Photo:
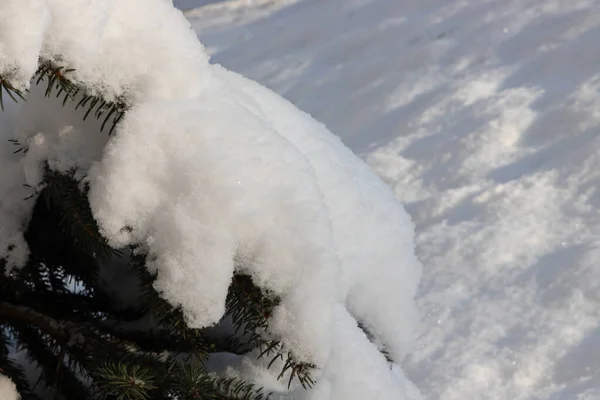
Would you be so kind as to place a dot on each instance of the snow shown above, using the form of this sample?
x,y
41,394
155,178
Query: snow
x,y
209,173
22,28
483,117
8,390
110,51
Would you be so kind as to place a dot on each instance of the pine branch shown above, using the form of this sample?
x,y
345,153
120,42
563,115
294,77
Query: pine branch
x,y
11,91
250,310
74,348
63,192
371,338
124,382
57,80
49,355
29,316
192,381
56,77
171,319
11,369
237,389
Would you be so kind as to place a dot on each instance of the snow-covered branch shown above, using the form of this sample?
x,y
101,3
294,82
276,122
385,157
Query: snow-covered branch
x,y
209,174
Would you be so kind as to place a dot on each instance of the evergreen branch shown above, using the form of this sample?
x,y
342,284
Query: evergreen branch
x,y
237,389
63,191
29,316
48,354
18,145
371,338
11,91
78,330
171,319
11,369
53,250
248,306
71,333
73,307
57,79
250,310
78,347
153,341
124,381
192,381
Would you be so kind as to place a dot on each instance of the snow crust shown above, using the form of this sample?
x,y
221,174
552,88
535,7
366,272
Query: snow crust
x,y
209,173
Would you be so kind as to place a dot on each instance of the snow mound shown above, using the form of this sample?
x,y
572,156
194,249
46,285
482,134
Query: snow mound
x,y
483,115
209,173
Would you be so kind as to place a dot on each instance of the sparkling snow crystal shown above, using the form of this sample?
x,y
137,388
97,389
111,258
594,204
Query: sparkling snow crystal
x,y
210,173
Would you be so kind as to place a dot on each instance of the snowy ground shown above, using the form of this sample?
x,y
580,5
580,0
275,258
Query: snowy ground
x,y
484,115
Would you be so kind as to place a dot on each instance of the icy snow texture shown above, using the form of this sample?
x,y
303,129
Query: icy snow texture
x,y
209,173
8,390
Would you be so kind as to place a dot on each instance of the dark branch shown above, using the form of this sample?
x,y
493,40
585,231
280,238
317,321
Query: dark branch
x,y
26,315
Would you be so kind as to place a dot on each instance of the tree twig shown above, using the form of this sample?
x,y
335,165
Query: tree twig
x,y
30,316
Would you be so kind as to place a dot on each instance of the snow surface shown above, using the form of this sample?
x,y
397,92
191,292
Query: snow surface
x,y
209,173
483,116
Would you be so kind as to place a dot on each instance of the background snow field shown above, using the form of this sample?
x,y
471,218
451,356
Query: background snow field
x,y
484,116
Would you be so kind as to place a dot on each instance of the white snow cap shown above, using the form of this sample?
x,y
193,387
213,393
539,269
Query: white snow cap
x,y
210,173
23,25
8,390
114,49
